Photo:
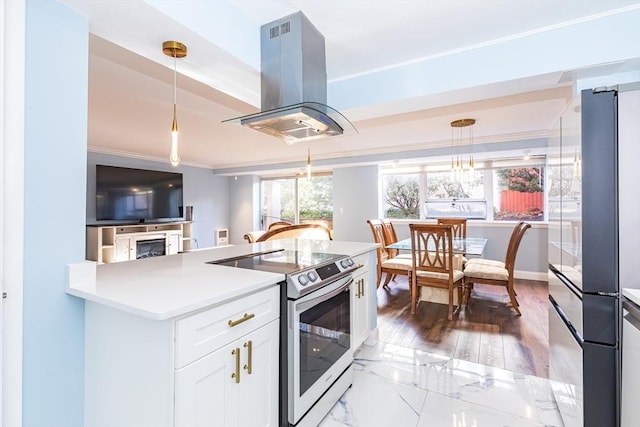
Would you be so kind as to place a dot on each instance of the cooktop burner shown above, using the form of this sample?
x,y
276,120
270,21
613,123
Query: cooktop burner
x,y
305,270
278,260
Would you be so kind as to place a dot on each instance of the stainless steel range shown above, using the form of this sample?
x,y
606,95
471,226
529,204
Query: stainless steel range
x,y
315,343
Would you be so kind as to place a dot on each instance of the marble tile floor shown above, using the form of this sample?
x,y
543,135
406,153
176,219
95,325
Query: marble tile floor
x,y
404,387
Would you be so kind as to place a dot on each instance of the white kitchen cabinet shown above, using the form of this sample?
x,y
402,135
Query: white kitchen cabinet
x,y
630,411
236,385
363,293
125,247
174,242
178,372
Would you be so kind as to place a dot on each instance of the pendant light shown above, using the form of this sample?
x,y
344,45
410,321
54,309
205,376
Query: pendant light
x,y
308,163
456,161
175,50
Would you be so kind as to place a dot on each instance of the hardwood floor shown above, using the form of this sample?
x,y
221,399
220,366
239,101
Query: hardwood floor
x,y
489,332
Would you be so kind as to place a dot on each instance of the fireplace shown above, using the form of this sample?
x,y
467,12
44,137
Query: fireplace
x,y
150,248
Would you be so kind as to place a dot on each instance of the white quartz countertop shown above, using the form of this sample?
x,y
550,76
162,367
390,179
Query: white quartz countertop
x,y
632,295
169,286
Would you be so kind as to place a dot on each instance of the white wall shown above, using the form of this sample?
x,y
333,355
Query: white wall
x,y
244,207
56,81
206,192
355,200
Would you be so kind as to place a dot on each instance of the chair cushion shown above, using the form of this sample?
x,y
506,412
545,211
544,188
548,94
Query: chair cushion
x,y
403,256
482,261
398,264
457,275
481,271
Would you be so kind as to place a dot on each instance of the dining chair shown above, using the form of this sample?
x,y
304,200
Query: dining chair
x,y
433,263
389,266
458,229
494,272
458,226
495,262
390,237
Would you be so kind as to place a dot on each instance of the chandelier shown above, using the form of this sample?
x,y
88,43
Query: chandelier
x,y
457,163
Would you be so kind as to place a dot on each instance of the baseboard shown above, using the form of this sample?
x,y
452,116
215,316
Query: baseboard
x,y
531,275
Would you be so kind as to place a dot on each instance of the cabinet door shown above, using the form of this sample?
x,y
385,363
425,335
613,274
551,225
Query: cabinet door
x,y
173,243
258,398
360,309
124,248
206,391
210,393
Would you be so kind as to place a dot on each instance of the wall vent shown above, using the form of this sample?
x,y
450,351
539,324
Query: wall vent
x,y
274,32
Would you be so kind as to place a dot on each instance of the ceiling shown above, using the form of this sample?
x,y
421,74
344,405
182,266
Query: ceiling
x,y
131,81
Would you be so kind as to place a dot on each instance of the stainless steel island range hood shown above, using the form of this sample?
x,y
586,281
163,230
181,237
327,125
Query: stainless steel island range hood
x,y
294,84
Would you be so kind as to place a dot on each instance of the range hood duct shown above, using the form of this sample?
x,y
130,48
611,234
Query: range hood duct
x,y
294,84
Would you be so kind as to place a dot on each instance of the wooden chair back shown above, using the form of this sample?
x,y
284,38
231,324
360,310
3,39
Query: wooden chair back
x,y
297,231
377,230
433,262
390,237
432,248
514,244
458,226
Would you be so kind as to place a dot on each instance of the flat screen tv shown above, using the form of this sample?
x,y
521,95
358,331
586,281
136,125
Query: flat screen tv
x,y
137,195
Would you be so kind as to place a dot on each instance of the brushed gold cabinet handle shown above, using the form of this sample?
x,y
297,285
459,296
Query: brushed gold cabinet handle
x,y
361,287
244,318
249,346
236,374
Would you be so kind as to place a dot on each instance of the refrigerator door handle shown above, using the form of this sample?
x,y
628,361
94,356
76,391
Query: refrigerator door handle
x,y
573,288
566,321
608,294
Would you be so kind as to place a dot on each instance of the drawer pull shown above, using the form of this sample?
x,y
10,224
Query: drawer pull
x,y
246,317
248,345
236,374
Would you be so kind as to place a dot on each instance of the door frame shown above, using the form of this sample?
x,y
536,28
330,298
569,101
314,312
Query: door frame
x,y
12,119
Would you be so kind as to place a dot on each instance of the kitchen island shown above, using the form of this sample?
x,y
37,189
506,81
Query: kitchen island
x,y
169,337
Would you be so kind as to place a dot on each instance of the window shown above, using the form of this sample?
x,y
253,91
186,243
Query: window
x,y
297,200
518,194
456,195
401,197
507,189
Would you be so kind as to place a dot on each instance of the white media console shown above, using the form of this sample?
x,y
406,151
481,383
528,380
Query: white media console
x,y
114,243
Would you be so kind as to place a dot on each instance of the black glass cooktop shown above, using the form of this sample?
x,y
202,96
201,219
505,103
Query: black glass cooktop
x,y
278,261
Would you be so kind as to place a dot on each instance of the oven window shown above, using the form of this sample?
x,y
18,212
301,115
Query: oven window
x,y
324,337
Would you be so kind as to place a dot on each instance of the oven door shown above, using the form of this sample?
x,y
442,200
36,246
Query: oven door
x,y
319,343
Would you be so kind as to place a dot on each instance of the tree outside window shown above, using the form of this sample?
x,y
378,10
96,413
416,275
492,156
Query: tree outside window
x,y
298,200
401,196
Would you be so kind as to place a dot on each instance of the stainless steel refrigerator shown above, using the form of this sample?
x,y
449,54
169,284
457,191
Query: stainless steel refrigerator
x,y
594,178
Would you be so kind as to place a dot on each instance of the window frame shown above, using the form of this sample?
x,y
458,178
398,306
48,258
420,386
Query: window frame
x,y
296,192
489,167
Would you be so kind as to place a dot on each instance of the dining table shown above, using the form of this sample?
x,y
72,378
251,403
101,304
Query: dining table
x,y
468,245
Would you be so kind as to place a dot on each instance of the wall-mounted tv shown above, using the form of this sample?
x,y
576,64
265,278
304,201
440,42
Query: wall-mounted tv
x,y
137,195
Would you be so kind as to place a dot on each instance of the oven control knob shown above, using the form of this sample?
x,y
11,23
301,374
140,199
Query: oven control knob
x,y
344,263
350,261
312,276
302,279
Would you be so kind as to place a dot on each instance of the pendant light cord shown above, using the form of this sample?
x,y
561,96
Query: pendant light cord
x,y
175,83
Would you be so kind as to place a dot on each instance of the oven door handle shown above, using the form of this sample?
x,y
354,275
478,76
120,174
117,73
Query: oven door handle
x,y
315,301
